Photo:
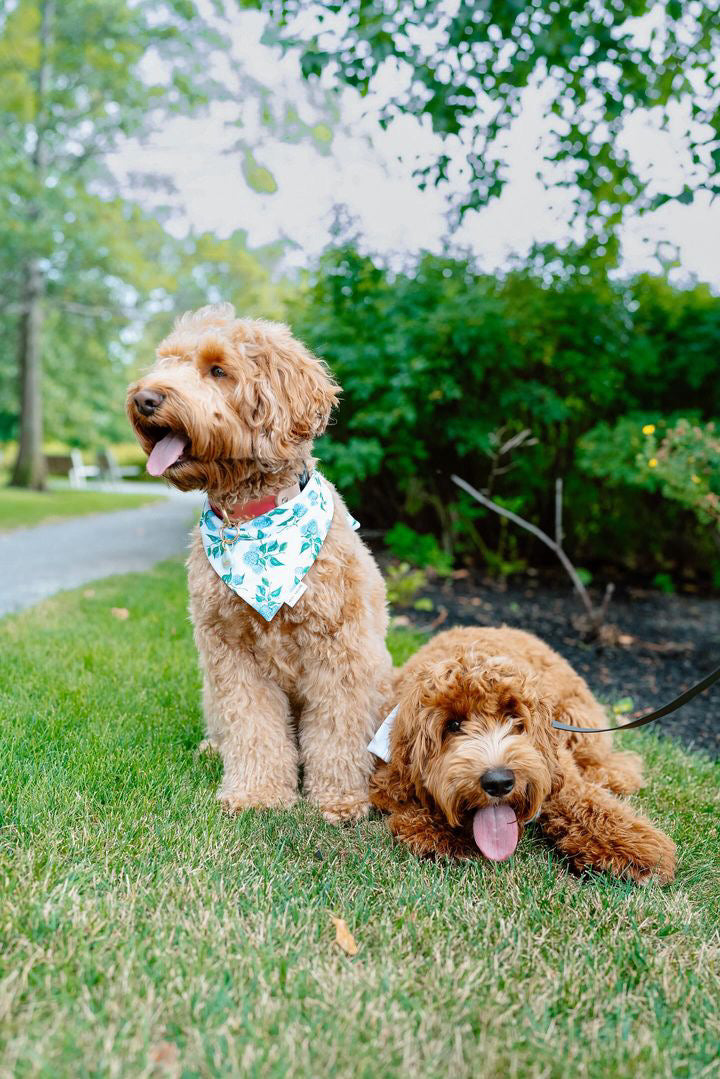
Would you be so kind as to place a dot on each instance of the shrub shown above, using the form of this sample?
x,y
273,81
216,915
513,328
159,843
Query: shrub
x,y
670,464
684,459
418,549
403,584
437,358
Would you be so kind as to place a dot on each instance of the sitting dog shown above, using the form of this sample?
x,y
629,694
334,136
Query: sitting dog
x,y
288,606
471,757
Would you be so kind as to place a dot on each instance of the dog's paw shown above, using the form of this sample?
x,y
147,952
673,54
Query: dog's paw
x,y
207,747
641,853
239,801
344,812
655,861
625,773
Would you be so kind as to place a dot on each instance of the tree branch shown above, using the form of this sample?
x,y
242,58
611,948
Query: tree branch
x,y
542,536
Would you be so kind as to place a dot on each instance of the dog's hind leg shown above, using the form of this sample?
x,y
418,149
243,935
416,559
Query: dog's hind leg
x,y
598,831
621,773
249,724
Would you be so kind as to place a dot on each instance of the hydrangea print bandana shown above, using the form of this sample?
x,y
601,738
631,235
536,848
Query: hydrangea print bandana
x,y
264,560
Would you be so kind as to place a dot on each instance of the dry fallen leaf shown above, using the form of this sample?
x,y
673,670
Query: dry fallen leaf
x,y
343,936
164,1053
121,613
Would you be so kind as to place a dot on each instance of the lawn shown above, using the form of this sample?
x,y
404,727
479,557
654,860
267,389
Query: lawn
x,y
23,509
144,932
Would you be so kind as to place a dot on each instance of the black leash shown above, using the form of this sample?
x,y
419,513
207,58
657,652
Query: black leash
x,y
673,706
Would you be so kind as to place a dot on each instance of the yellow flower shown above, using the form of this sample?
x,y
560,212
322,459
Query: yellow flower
x,y
652,463
696,479
649,429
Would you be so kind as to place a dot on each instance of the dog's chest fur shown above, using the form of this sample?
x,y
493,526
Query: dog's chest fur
x,y
344,588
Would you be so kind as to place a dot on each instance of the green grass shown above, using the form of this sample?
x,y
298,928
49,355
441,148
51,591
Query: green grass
x,y
139,924
23,509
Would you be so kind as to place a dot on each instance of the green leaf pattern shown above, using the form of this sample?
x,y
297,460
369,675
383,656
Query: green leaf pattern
x,y
265,559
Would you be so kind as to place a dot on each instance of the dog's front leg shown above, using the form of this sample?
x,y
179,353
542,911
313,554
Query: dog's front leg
x,y
343,704
598,831
248,722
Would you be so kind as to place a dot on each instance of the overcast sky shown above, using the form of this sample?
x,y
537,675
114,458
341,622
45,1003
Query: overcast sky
x,y
369,170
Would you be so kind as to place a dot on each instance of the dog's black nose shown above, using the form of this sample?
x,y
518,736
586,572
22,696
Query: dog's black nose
x,y
148,400
497,781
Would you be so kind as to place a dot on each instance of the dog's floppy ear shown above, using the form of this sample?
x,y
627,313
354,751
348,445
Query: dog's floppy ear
x,y
394,783
302,389
412,741
318,393
549,740
398,771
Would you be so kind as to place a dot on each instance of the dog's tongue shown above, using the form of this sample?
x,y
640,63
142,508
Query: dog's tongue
x,y
496,832
165,453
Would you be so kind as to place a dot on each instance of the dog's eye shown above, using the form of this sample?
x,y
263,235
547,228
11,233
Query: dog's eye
x,y
453,725
217,372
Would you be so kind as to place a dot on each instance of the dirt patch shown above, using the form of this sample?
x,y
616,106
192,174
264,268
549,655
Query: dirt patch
x,y
668,643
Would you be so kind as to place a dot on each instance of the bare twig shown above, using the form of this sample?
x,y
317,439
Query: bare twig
x,y
595,616
558,511
602,613
521,438
502,448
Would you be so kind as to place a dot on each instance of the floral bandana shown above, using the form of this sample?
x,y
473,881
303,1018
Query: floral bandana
x,y
264,560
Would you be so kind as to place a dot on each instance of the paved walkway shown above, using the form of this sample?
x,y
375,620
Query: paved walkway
x,y
37,562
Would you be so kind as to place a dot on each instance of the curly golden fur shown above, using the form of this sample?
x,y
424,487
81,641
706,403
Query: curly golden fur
x,y
306,688
473,700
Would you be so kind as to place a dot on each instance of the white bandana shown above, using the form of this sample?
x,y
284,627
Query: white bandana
x,y
380,744
264,560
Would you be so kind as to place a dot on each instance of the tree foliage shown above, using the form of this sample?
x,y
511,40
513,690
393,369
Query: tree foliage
x,y
436,360
464,66
76,78
134,281
82,268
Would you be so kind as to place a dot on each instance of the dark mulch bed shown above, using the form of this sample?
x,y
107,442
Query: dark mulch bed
x,y
669,643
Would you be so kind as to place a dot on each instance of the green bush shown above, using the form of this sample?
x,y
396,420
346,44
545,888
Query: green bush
x,y
403,584
436,359
671,467
685,460
418,549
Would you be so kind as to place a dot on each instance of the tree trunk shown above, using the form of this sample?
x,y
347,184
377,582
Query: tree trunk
x,y
29,470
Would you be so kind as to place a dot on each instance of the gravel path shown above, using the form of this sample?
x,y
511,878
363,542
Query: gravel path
x,y
37,562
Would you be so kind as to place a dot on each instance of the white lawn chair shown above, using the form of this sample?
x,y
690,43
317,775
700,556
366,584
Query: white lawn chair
x,y
79,472
111,470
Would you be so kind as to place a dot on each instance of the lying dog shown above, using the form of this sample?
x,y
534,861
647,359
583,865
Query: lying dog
x,y
288,606
472,757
